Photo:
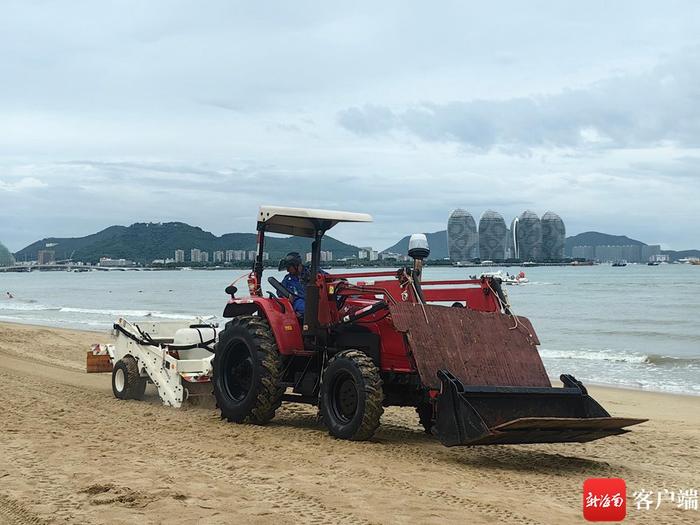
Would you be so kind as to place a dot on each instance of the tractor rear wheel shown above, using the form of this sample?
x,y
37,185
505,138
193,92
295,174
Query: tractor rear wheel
x,y
351,396
247,370
127,383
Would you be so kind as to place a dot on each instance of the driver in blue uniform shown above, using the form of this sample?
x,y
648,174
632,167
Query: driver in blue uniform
x,y
295,281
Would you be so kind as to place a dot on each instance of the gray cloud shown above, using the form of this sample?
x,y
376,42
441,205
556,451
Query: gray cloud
x,y
112,113
627,111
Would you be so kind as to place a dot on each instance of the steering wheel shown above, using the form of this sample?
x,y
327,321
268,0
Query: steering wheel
x,y
282,289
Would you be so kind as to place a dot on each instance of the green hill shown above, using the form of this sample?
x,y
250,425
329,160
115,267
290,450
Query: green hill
x,y
6,258
144,242
598,239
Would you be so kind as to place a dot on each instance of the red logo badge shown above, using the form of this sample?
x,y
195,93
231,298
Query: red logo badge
x,y
604,499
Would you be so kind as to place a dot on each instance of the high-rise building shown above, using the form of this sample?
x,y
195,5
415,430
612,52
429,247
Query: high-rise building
x,y
239,255
326,256
204,257
179,256
553,237
492,236
651,252
583,252
462,237
218,256
195,255
512,242
230,257
45,257
528,236
251,255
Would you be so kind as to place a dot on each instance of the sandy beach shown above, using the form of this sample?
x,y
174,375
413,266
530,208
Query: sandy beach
x,y
73,453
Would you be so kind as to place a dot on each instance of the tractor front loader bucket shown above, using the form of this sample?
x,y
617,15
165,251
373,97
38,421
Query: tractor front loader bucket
x,y
509,415
493,386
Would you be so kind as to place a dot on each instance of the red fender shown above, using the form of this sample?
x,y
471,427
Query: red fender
x,y
285,325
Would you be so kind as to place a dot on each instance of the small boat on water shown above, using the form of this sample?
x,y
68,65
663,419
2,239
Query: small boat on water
x,y
653,263
508,278
619,263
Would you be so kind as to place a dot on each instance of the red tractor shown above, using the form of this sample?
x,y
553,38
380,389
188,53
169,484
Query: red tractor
x,y
451,348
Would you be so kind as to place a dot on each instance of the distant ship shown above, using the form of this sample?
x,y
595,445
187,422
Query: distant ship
x,y
653,263
620,263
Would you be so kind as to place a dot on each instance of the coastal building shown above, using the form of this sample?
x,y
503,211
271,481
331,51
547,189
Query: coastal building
x,y
368,253
393,256
45,257
195,255
179,256
583,252
204,257
251,255
512,242
462,236
218,256
650,252
492,236
629,253
528,236
107,262
326,256
553,237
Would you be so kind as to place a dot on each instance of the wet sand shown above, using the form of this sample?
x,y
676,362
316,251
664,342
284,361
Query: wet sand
x,y
73,453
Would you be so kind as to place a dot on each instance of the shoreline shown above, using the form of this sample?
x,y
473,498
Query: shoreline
x,y
554,380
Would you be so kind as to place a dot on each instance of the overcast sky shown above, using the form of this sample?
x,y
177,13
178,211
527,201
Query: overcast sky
x,y
118,112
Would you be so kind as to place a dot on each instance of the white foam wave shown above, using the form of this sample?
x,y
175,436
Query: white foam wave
x,y
25,306
126,313
595,355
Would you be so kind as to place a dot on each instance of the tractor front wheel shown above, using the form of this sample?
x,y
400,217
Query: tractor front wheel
x,y
247,370
351,396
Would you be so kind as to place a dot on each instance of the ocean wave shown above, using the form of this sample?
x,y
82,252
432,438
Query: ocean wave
x,y
26,306
621,357
127,313
11,306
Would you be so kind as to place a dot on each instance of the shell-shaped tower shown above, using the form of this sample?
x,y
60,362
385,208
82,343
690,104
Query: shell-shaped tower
x,y
529,236
462,238
492,236
553,236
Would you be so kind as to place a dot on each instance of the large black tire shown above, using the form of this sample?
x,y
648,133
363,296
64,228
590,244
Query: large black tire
x,y
351,396
247,371
127,383
425,416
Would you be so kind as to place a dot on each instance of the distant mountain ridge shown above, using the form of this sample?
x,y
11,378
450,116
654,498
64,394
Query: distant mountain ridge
x,y
438,244
145,242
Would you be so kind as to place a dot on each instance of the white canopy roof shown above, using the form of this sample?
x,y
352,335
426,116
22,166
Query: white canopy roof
x,y
303,222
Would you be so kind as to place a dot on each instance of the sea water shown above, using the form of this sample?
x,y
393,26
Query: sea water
x,y
635,326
